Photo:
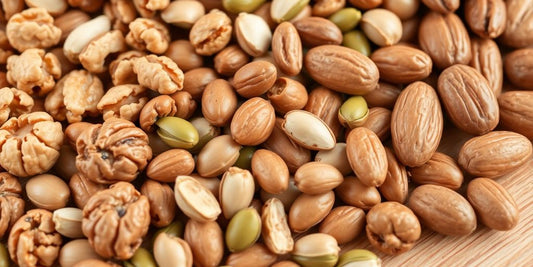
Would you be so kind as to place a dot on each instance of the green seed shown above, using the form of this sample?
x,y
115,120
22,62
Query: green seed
x,y
4,256
243,230
141,258
237,6
357,40
353,112
177,132
346,18
318,261
359,257
245,158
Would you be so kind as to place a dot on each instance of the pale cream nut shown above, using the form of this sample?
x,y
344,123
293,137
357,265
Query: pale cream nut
x,y
160,74
54,7
123,101
33,71
83,34
93,56
147,34
13,103
121,69
75,96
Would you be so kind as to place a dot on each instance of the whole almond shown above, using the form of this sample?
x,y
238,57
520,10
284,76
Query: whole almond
x,y
196,201
355,193
169,164
293,154
487,59
230,60
396,185
384,95
287,49
253,122
445,39
255,78
287,94
344,223
442,6
206,241
309,210
441,170
516,112
468,99
443,210
275,228
342,69
325,103
308,130
402,64
494,206
219,102
317,178
519,67
162,203
236,191
316,31
270,171
486,18
196,80
519,20
379,122
494,154
367,156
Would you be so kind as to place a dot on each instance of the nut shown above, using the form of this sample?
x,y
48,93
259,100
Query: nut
x,y
344,223
236,191
160,74
182,52
308,130
316,250
395,187
123,101
93,56
353,112
82,35
147,34
309,210
206,132
211,33
317,178
275,228
357,40
13,103
515,33
185,105
382,26
243,230
196,80
195,200
486,18
287,49
402,64
161,200
255,78
325,103
367,156
516,113
360,257
487,60
10,200
76,251
253,34
230,60
392,228
169,164
177,132
171,251
336,158
443,210
183,13
270,171
345,18
32,28
206,241
67,222
217,156
257,254
353,192
219,102
316,31
142,257
441,169
158,107
121,69
385,95
518,67
82,189
285,10
253,122
379,121
38,190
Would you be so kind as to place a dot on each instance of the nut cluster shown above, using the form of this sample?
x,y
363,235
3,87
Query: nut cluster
x,y
254,132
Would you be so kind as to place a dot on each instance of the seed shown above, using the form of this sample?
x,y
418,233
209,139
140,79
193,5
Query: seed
x,y
243,230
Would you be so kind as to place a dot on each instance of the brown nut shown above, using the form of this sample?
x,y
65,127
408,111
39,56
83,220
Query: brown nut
x,y
113,151
445,39
256,255
10,200
416,129
217,156
494,206
487,60
34,71
148,34
270,171
86,5
317,178
275,228
123,101
76,251
335,157
160,74
94,55
182,52
325,103
315,31
366,4
219,102
75,96
518,67
379,121
32,28
353,192
287,49
340,68
9,8
30,144
82,189
384,95
253,122
255,78
287,94
13,103
367,156
441,169
519,18
94,263
211,32
402,64
309,210
396,185
33,240
344,223
185,105
443,210
161,200
158,107
196,80
126,214
516,113
324,8
494,154
206,241
486,18
442,6
169,164
392,228
230,60
38,190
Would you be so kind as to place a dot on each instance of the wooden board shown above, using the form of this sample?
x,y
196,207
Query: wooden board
x,y
484,247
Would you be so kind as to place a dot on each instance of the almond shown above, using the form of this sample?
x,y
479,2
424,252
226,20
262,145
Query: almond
x,y
317,178
367,156
516,112
402,64
441,169
169,164
253,122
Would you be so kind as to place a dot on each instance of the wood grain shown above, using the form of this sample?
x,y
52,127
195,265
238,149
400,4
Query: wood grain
x,y
485,247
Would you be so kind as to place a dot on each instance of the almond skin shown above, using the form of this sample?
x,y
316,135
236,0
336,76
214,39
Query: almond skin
x,y
287,49
367,156
253,122
402,64
516,112
270,171
441,169
169,164
219,102
416,124
317,178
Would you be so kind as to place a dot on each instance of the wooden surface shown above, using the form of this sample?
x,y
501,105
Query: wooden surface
x,y
485,247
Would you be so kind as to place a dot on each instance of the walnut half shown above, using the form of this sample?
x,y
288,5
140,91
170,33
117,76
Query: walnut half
x,y
113,151
115,220
13,103
32,28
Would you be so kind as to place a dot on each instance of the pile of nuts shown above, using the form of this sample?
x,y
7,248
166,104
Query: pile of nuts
x,y
256,133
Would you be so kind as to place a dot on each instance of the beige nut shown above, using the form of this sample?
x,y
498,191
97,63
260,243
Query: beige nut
x,y
218,155
38,190
67,222
13,103
76,251
308,130
336,158
54,8
317,178
82,35
183,13
236,191
32,28
275,228
93,56
123,101
147,34
195,200
121,69
171,251
160,74
253,34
